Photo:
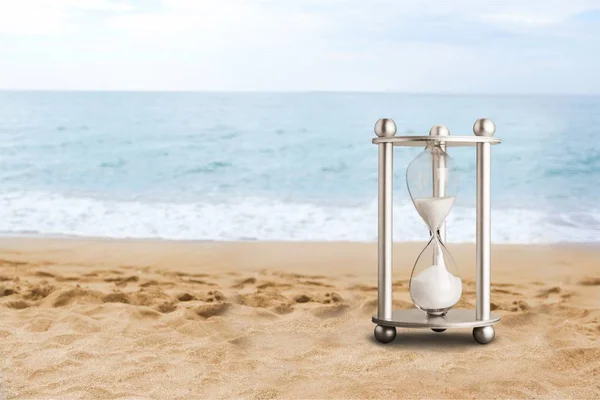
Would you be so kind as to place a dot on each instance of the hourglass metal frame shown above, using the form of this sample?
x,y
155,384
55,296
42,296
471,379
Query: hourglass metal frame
x,y
480,319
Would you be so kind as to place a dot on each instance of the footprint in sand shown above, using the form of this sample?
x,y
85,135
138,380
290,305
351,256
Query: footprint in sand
x,y
283,308
244,282
207,310
116,297
150,283
185,296
148,296
18,304
327,299
270,299
122,281
332,298
166,307
543,294
516,305
213,295
590,281
6,290
269,284
302,298
38,292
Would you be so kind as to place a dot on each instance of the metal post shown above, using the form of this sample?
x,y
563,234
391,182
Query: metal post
x,y
386,172
442,183
483,232
483,127
385,128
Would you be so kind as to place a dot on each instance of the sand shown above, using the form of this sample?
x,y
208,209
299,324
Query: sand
x,y
435,289
131,319
434,210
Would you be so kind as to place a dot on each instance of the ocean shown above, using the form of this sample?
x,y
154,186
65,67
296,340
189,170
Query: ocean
x,y
284,166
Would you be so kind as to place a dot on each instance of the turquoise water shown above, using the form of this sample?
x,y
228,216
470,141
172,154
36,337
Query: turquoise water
x,y
297,166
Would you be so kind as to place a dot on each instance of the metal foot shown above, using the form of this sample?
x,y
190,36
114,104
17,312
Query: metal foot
x,y
385,334
484,334
439,330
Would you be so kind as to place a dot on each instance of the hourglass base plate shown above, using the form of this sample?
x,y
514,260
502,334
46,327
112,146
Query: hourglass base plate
x,y
415,318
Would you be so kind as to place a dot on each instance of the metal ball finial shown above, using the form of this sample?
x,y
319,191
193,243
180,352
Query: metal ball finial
x,y
439,130
385,334
484,127
385,127
484,334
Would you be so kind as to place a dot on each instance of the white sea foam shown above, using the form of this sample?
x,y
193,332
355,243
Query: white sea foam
x,y
264,219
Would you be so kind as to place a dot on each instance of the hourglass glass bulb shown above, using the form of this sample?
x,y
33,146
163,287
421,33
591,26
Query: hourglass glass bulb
x,y
432,181
435,287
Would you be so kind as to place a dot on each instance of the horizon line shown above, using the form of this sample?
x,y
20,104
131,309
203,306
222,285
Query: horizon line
x,y
308,91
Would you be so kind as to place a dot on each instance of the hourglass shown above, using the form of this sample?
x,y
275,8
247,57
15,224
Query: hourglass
x,y
432,181
435,285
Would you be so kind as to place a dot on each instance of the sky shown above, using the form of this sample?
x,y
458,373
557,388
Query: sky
x,y
495,47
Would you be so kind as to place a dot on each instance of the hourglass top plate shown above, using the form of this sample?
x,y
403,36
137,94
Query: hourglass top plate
x,y
420,141
415,318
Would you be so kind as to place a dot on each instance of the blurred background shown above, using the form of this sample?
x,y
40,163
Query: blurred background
x,y
253,120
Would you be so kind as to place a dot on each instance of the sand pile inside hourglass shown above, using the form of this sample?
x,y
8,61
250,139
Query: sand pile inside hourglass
x,y
435,288
433,210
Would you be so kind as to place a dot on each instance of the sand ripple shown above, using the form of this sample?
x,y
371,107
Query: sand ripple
x,y
267,330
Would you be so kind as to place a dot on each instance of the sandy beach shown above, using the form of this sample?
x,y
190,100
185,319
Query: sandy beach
x,y
94,319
